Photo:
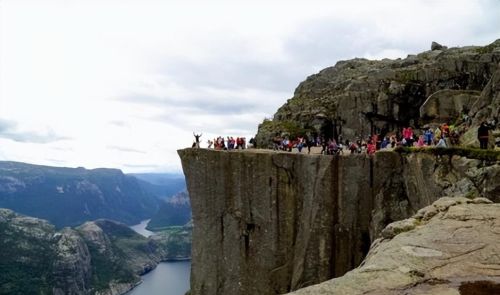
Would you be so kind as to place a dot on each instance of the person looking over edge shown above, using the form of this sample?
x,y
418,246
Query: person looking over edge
x,y
483,135
197,139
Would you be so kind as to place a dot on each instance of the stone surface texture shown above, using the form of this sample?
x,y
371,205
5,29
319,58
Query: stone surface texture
x,y
273,222
452,247
359,97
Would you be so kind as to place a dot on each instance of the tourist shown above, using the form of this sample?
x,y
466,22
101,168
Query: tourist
x,y
420,142
483,135
445,130
428,136
197,140
437,134
441,143
300,144
371,148
408,136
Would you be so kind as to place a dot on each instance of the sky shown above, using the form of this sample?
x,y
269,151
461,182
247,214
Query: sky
x,y
124,84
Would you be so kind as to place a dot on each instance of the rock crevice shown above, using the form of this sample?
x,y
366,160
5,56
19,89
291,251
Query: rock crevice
x,y
271,222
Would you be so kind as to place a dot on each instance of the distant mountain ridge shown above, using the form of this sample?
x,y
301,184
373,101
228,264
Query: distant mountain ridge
x,y
71,196
162,185
175,211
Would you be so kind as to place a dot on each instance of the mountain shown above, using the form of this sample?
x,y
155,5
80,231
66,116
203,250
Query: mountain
x,y
274,222
162,185
99,257
175,211
359,97
71,196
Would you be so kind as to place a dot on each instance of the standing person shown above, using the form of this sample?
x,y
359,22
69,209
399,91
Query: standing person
x,y
300,144
437,134
310,143
197,140
483,134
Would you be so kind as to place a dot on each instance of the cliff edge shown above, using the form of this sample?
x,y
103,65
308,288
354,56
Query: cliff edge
x,y
272,222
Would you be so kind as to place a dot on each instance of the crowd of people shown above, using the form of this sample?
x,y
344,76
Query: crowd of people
x,y
230,143
221,143
441,136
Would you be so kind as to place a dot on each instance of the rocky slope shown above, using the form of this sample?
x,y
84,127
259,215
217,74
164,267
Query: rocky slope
x,y
450,247
359,97
176,240
71,196
101,257
270,223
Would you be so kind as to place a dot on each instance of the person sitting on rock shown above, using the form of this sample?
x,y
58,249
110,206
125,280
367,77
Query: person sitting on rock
x,y
371,148
429,136
441,143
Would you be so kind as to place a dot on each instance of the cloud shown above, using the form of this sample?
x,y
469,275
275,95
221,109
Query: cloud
x,y
218,67
9,130
125,149
118,123
151,167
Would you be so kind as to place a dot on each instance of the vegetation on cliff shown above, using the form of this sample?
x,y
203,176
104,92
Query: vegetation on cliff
x,y
37,259
470,153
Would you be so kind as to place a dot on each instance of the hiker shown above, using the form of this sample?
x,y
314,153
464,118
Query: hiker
x,y
441,143
429,136
197,140
371,148
420,142
310,143
300,144
483,134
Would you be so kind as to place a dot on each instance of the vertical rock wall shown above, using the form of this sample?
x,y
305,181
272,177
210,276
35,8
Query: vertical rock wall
x,y
269,223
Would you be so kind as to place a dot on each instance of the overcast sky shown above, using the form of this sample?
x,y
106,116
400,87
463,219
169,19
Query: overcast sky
x,y
124,84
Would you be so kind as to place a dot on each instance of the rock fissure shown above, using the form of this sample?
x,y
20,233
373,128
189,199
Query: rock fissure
x,y
309,218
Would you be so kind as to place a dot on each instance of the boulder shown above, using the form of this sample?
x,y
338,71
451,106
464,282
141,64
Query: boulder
x,y
437,46
447,105
452,252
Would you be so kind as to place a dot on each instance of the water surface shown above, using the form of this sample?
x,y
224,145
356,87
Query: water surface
x,y
141,228
168,278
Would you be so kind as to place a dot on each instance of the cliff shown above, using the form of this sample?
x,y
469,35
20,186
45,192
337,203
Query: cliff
x,y
270,222
446,248
101,257
359,97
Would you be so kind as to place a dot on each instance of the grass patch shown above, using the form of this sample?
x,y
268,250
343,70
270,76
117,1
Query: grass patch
x,y
471,153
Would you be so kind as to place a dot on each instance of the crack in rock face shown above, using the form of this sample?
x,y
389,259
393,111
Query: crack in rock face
x,y
421,251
